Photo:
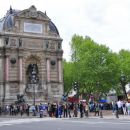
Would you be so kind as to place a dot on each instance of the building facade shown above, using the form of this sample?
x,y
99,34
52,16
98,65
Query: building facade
x,y
30,57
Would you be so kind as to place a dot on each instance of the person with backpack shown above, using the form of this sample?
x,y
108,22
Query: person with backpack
x,y
124,108
116,110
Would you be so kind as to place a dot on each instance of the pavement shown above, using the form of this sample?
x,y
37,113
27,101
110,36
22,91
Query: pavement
x,y
106,115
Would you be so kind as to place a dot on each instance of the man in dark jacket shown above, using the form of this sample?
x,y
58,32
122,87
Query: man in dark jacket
x,y
81,109
116,109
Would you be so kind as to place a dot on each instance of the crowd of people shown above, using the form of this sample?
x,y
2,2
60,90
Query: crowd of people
x,y
51,109
64,109
14,110
121,107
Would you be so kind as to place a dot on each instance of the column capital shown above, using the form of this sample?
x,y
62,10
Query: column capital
x,y
20,56
48,58
59,58
7,55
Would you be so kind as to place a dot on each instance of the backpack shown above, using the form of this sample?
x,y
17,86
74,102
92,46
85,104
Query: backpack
x,y
124,105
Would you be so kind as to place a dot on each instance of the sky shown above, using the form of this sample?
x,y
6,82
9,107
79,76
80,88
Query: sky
x,y
105,21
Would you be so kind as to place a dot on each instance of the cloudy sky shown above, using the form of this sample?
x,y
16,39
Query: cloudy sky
x,y
105,21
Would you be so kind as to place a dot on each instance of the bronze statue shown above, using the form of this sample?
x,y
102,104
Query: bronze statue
x,y
32,71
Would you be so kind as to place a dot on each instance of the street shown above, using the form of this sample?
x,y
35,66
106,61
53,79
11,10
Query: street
x,y
64,124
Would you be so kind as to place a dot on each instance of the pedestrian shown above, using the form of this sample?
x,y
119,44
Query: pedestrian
x,y
81,109
60,110
69,110
65,109
75,109
27,109
128,108
86,110
100,110
124,108
21,110
116,110
96,109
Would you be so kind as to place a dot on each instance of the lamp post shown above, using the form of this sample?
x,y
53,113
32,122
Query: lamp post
x,y
123,83
34,81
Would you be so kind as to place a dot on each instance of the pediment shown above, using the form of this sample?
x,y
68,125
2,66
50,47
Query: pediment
x,y
32,13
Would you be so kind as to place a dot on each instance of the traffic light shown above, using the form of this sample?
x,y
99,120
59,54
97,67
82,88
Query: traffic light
x,y
76,86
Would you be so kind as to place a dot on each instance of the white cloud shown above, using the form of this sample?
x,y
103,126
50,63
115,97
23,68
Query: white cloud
x,y
105,21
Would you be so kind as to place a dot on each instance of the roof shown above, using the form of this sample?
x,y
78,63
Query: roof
x,y
8,21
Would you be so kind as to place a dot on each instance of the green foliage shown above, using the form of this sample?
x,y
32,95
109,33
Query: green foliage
x,y
92,63
68,75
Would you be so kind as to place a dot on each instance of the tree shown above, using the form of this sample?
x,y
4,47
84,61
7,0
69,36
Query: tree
x,y
68,75
124,58
92,63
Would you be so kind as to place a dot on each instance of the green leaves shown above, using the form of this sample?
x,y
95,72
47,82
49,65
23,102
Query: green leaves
x,y
92,62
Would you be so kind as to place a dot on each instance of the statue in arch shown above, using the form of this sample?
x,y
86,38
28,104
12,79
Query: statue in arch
x,y
32,72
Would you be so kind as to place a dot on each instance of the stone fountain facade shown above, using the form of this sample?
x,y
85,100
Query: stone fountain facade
x,y
29,37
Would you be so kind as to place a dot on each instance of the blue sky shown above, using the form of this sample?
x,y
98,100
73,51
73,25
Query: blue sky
x,y
105,21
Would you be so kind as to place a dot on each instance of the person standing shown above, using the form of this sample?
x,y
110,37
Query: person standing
x,y
21,110
81,109
69,110
100,110
128,107
65,110
116,110
124,108
60,110
96,109
86,110
75,110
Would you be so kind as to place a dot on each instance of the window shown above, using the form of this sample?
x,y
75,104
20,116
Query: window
x,y
33,28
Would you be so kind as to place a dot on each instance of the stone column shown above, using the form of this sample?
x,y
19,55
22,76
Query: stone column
x,y
6,75
20,69
48,70
20,65
60,70
7,68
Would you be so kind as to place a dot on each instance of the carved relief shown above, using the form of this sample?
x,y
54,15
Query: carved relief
x,y
33,12
52,45
13,42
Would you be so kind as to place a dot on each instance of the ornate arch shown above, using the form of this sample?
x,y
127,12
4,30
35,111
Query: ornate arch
x,y
32,59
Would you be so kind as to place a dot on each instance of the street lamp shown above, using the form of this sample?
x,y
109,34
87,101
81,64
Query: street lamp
x,y
34,81
123,83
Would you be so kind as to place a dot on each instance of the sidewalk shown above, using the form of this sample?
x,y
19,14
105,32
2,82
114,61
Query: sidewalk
x,y
110,115
106,115
123,117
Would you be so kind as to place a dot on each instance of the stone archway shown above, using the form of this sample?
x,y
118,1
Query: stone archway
x,y
32,60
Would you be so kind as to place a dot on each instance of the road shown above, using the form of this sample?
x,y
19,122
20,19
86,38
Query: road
x,y
64,124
